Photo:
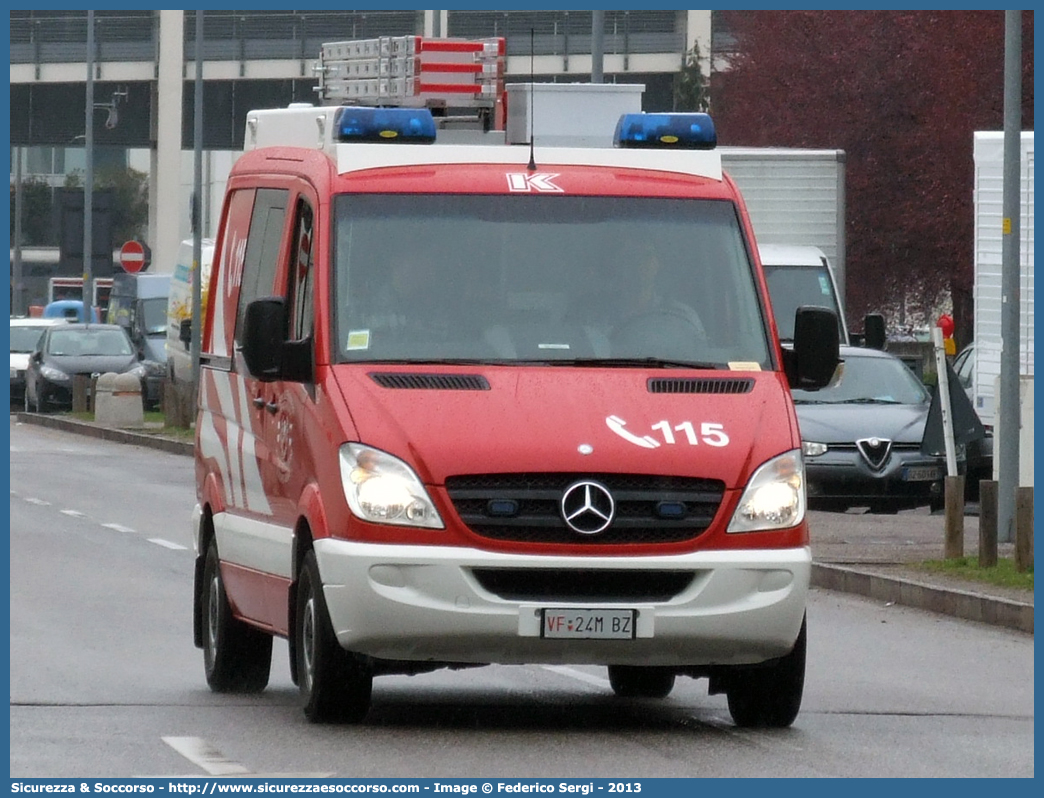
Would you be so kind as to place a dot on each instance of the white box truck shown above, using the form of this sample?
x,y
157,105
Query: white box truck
x,y
179,307
988,303
796,201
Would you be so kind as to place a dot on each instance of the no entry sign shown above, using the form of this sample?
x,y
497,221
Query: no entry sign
x,y
134,257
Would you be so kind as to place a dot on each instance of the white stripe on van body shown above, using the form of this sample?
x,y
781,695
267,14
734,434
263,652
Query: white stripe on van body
x,y
255,544
237,455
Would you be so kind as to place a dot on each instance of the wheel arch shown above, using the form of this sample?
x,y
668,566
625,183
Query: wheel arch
x,y
206,535
311,524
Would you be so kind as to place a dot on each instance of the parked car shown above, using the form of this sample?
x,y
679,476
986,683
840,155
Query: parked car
x,y
861,437
68,309
25,333
67,350
138,303
979,453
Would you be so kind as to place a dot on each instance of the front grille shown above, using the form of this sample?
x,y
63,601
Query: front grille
x,y
560,584
526,508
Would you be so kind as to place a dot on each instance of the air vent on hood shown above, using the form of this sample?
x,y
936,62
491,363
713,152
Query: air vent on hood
x,y
703,385
444,382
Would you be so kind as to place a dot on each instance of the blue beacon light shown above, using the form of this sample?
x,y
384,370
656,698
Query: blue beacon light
x,y
386,125
686,131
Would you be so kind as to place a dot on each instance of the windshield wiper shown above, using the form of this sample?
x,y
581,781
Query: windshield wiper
x,y
869,400
636,362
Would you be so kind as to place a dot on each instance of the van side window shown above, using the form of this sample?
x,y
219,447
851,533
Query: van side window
x,y
301,274
261,260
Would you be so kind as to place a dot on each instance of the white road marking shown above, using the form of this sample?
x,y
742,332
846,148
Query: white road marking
x,y
202,754
73,513
118,527
205,756
167,544
38,502
573,673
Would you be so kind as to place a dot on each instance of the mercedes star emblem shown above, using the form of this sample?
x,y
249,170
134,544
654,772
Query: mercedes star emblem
x,y
587,507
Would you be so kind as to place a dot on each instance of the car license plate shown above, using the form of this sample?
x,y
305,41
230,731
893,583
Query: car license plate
x,y
586,624
920,474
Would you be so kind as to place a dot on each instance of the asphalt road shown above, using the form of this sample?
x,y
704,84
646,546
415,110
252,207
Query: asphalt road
x,y
105,680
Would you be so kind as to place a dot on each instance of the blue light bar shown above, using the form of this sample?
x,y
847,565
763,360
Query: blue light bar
x,y
694,131
401,125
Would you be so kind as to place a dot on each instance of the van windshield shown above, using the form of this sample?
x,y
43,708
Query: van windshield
x,y
544,279
791,287
154,315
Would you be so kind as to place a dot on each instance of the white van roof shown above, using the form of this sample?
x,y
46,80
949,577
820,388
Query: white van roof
x,y
791,255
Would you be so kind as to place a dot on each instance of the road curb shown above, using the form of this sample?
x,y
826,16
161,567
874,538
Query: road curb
x,y
908,593
106,433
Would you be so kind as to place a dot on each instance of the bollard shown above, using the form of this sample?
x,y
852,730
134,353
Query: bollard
x,y
987,523
81,387
1024,529
954,547
119,401
178,404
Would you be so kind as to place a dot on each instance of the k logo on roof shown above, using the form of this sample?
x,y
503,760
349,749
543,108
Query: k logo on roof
x,y
538,181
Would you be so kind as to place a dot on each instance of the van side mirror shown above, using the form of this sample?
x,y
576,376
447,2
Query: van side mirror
x,y
185,332
268,355
811,363
264,326
874,331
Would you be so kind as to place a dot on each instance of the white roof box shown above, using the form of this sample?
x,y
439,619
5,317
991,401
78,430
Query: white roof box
x,y
569,114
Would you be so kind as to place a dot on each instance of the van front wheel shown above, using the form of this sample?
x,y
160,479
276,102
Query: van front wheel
x,y
769,696
335,684
237,657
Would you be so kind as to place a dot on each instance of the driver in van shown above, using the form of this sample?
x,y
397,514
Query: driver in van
x,y
656,295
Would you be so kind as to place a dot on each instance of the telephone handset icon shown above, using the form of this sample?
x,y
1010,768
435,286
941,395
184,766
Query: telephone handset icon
x,y
616,424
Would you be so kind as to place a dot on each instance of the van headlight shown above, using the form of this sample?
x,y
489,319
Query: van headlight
x,y
775,496
383,489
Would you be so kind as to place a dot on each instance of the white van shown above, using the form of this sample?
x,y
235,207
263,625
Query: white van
x,y
796,276
179,307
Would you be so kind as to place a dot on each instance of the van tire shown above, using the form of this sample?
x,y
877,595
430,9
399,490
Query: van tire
x,y
335,684
630,681
237,657
769,697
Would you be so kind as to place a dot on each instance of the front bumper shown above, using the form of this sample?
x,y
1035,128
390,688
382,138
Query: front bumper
x,y
842,478
426,603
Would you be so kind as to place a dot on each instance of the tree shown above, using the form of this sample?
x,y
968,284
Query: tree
x,y
131,204
691,88
38,229
901,92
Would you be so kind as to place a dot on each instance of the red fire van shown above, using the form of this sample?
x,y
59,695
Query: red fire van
x,y
464,404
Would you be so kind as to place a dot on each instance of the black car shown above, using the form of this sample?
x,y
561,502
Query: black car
x,y
861,438
69,350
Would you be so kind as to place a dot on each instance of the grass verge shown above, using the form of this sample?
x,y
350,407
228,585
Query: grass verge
x,y
151,418
1002,575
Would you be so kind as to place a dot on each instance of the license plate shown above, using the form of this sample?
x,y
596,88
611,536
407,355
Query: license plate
x,y
587,624
920,474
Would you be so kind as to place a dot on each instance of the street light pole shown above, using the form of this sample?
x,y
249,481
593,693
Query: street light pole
x,y
197,204
1010,389
88,177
